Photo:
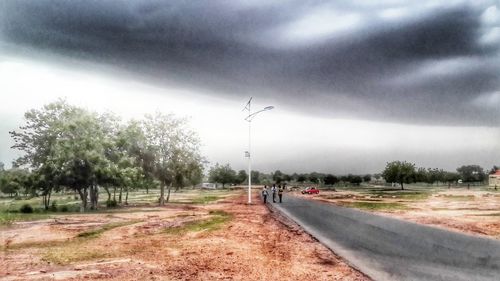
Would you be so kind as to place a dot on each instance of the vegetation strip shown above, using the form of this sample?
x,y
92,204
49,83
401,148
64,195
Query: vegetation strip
x,y
215,222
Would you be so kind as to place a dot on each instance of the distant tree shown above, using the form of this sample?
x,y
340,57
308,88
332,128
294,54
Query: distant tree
x,y
377,176
344,178
241,177
367,178
301,178
2,167
222,174
493,170
330,179
256,177
315,177
287,178
472,173
400,172
421,175
451,177
277,176
354,179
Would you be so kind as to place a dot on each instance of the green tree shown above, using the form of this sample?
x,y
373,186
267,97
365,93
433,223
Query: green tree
x,y
277,176
354,179
330,179
472,173
256,177
222,174
367,178
301,178
400,172
37,140
174,149
13,181
241,177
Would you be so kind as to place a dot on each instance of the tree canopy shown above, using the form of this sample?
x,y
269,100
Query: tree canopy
x,y
67,146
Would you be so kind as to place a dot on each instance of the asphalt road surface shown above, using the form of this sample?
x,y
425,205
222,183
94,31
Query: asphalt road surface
x,y
391,249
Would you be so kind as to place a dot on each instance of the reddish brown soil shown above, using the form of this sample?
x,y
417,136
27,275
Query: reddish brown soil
x,y
253,245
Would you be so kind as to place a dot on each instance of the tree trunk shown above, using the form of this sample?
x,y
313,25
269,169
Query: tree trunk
x,y
83,197
114,193
94,196
109,193
46,199
169,188
126,196
402,187
147,189
120,195
162,193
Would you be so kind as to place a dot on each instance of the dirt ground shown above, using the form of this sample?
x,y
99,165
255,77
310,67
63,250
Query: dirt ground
x,y
136,244
470,211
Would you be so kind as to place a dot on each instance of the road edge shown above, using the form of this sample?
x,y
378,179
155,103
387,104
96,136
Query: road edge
x,y
286,220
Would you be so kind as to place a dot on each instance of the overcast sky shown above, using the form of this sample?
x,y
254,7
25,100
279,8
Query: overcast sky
x,y
355,83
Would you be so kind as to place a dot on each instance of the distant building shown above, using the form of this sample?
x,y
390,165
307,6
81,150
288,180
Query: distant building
x,y
208,185
494,179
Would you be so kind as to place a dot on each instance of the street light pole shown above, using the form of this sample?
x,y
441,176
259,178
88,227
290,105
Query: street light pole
x,y
248,153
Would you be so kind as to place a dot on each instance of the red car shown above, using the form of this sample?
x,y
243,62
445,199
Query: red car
x,y
310,190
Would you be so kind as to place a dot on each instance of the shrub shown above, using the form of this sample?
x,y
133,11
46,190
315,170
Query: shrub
x,y
111,203
26,209
64,209
53,206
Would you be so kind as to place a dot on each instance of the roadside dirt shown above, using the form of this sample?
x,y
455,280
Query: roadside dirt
x,y
468,211
253,245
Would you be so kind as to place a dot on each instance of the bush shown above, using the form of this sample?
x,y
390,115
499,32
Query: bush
x,y
53,207
111,203
26,209
64,209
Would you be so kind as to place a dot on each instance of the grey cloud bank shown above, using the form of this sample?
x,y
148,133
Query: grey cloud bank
x,y
424,62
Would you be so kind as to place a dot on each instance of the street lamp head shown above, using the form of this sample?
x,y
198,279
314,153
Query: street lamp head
x,y
268,107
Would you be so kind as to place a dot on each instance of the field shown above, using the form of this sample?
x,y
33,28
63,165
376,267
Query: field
x,y
474,211
200,235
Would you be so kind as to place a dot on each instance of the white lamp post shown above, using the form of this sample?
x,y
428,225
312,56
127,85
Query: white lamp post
x,y
248,153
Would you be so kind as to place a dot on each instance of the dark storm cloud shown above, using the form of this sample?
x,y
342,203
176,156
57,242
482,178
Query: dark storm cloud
x,y
373,69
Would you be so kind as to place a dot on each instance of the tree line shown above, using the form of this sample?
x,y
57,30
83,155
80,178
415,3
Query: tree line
x,y
65,147
224,174
400,172
403,172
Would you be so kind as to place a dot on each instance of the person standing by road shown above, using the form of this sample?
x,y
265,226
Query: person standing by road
x,y
273,191
280,192
265,194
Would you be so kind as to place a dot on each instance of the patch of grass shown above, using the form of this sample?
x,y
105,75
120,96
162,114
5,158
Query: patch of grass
x,y
206,199
98,231
7,218
75,251
400,194
215,222
375,206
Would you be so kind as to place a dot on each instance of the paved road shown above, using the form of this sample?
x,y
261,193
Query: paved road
x,y
391,249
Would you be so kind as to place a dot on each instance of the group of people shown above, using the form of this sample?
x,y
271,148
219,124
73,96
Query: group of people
x,y
279,190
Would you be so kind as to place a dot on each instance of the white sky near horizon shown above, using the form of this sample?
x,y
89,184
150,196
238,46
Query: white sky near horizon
x,y
281,139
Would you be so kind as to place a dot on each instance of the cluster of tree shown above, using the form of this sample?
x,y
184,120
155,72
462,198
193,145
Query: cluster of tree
x,y
403,172
68,147
224,174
